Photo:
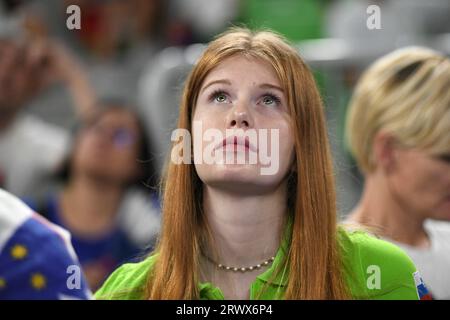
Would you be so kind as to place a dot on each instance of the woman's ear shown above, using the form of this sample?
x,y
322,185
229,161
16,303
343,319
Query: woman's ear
x,y
383,151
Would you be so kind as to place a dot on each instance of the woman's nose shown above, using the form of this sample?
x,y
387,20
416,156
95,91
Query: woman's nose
x,y
240,117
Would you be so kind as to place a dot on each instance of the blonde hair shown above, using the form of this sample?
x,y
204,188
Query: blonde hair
x,y
406,94
313,260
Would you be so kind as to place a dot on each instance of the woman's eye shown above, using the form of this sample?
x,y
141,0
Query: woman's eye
x,y
270,100
219,97
445,158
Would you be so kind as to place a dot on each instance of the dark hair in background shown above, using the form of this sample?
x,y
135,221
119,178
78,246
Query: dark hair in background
x,y
11,5
149,179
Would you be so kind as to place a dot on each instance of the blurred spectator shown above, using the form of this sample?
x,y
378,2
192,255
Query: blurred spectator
x,y
116,38
399,132
107,159
29,147
354,46
37,260
49,66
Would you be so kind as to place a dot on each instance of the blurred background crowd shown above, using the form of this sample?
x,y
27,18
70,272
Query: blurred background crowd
x,y
78,107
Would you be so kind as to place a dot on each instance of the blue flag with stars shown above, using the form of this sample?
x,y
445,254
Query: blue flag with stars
x,y
37,260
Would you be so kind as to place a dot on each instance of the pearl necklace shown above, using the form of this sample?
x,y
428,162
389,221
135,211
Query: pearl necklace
x,y
241,269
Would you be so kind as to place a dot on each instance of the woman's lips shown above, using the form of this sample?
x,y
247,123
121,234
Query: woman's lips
x,y
234,142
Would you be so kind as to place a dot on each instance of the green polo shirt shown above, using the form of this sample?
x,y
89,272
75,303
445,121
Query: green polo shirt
x,y
374,269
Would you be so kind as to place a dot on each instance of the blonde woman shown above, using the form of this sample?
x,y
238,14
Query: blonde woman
x,y
399,132
231,232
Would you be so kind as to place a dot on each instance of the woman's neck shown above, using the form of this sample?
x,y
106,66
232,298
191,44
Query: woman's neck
x,y
89,205
381,209
246,229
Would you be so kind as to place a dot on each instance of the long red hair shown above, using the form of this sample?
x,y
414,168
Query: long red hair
x,y
314,259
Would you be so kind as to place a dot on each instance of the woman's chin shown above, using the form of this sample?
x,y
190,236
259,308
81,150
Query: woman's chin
x,y
240,178
235,172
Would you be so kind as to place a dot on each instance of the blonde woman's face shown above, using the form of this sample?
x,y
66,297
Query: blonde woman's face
x,y
242,115
421,182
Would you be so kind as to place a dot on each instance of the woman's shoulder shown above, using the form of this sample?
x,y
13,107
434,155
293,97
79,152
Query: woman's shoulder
x,y
127,282
377,269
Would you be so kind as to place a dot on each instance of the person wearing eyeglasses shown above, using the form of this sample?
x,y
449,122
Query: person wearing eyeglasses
x,y
109,157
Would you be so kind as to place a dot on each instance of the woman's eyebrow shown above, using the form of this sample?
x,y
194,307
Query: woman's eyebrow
x,y
222,81
270,86
228,82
